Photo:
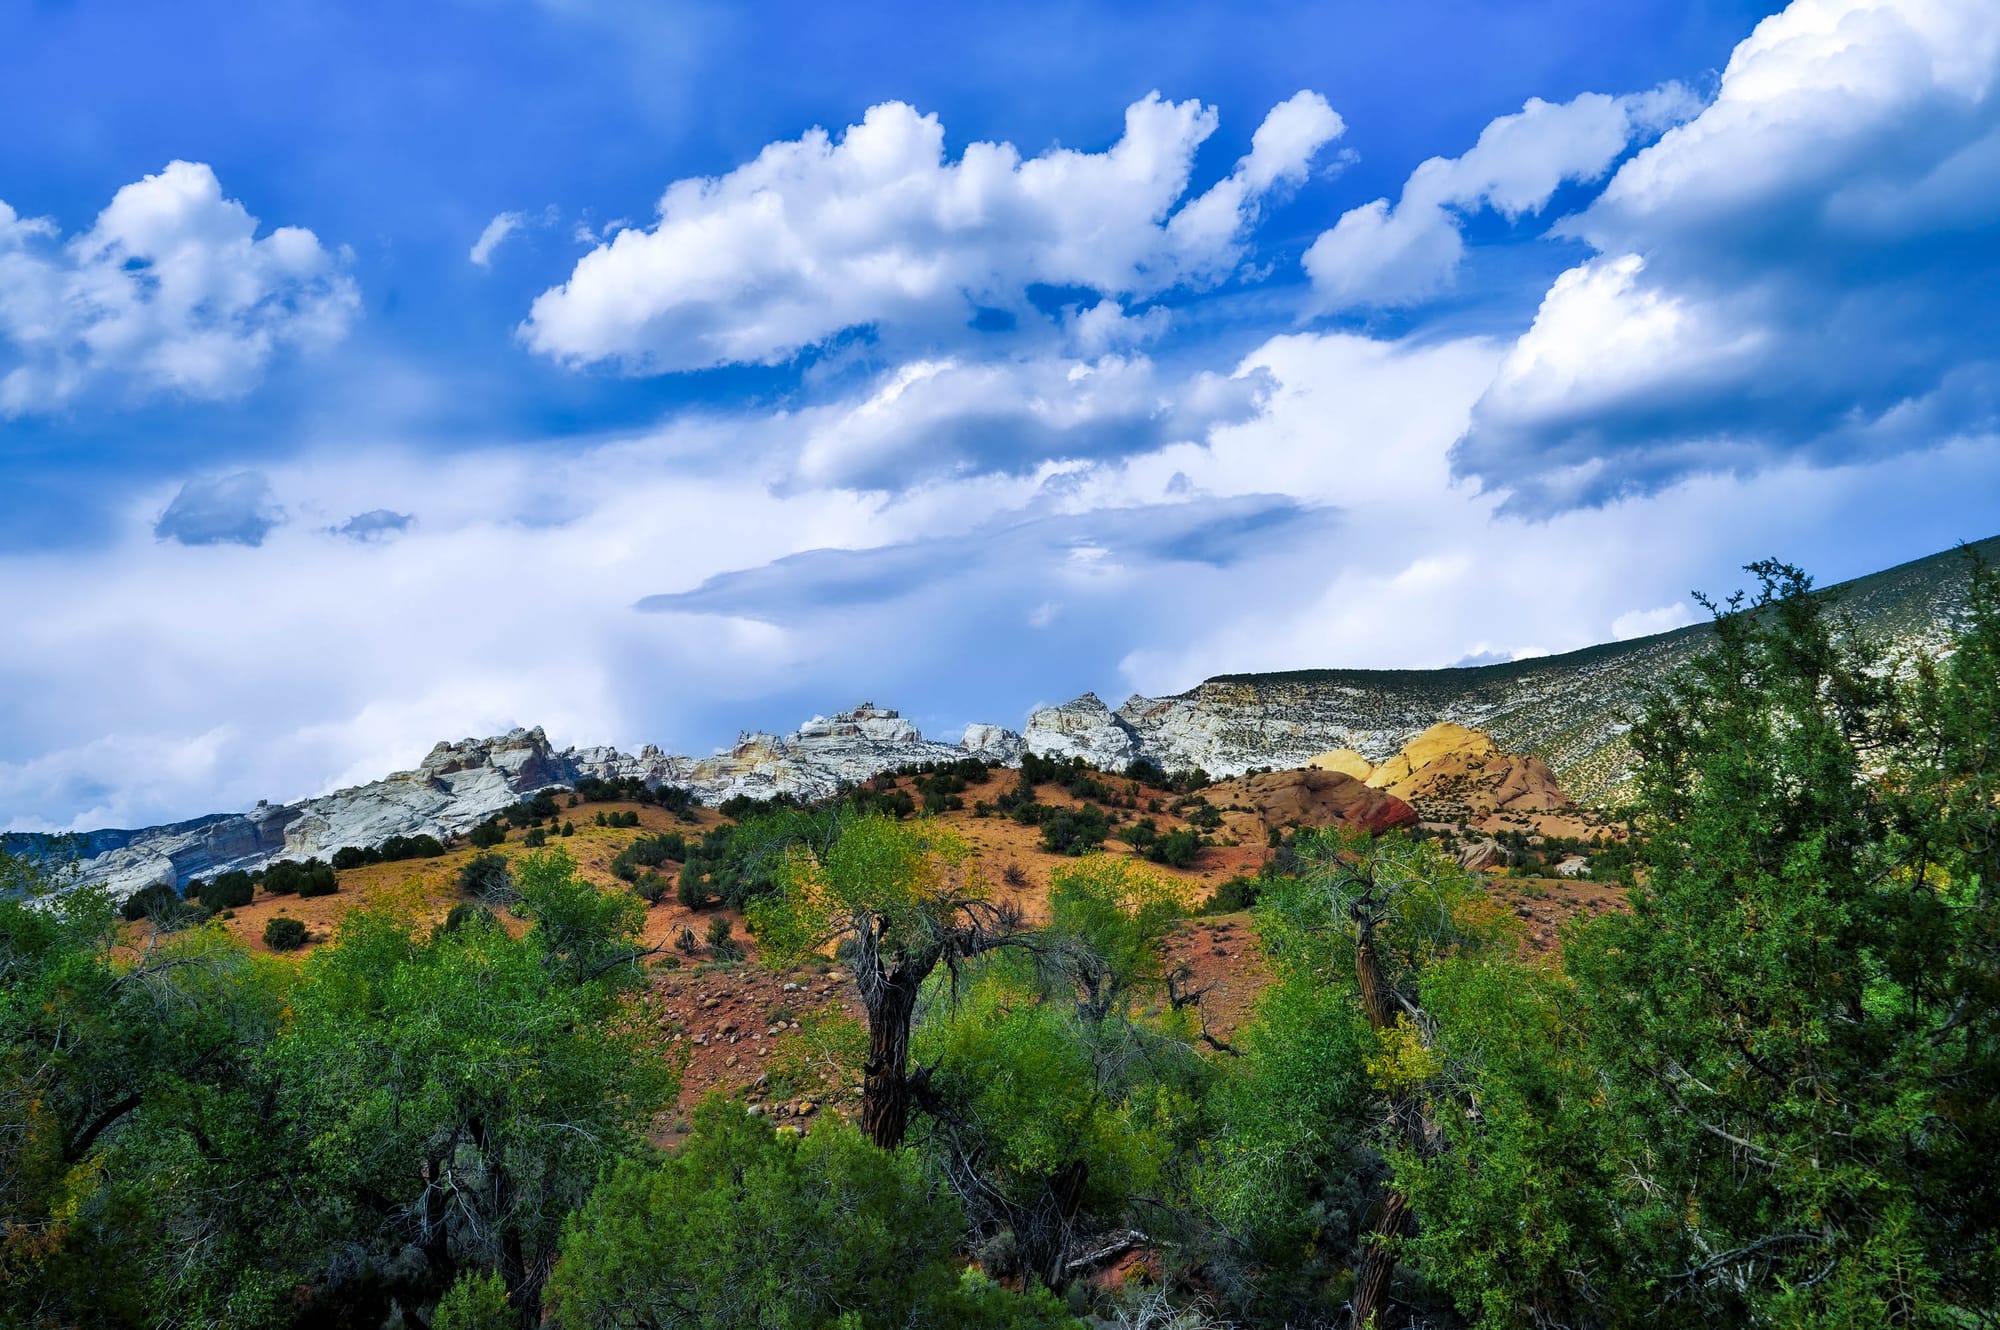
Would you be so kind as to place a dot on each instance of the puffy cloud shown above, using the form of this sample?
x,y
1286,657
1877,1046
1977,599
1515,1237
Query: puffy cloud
x,y
1382,255
237,509
875,228
170,291
490,239
1805,269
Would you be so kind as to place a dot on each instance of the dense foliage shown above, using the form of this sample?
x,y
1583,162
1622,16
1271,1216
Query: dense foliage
x,y
190,1135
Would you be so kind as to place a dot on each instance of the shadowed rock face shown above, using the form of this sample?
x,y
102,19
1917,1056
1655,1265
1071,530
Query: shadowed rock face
x,y
1316,798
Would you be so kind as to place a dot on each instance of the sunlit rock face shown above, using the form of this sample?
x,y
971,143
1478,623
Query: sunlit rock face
x,y
459,785
1085,728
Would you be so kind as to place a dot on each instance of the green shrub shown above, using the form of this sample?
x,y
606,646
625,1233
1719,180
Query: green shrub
x,y
476,1301
466,913
283,934
389,851
310,877
155,902
1204,814
1238,893
650,888
649,852
536,838
487,877
1075,831
1177,849
768,1231
1141,834
226,891
487,834
353,856
721,944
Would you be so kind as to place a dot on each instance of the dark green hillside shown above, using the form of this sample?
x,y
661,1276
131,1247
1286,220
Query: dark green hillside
x,y
1570,709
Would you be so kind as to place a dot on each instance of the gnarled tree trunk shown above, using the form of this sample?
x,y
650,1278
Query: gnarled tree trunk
x,y
1378,1253
885,1087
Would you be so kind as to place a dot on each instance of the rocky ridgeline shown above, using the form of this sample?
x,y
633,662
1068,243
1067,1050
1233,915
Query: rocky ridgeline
x,y
1570,711
459,785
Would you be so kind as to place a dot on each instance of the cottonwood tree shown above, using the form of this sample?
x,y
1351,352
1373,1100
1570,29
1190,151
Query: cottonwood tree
x,y
1053,1098
897,900
459,1090
1340,1075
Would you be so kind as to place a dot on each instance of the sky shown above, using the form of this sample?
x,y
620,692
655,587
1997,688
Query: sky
x,y
373,374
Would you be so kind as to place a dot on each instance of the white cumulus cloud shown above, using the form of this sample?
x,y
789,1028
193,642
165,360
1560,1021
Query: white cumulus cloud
x,y
1379,254
875,227
170,291
1801,270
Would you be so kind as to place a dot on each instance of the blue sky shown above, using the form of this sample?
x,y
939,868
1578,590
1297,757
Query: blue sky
x,y
371,374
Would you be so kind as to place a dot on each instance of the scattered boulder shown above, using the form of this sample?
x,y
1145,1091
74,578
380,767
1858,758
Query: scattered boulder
x,y
1480,854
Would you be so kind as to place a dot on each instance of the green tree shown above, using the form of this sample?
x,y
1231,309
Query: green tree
x,y
1341,1073
128,1109
1108,919
488,878
1053,1097
458,1091
1797,1025
899,899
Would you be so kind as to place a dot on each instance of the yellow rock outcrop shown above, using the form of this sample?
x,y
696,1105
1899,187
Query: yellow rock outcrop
x,y
1346,761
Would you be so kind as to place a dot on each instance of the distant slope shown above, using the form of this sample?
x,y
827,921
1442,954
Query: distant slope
x,y
1567,710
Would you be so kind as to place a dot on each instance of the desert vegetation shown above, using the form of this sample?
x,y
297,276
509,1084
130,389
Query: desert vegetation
x,y
1765,1094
